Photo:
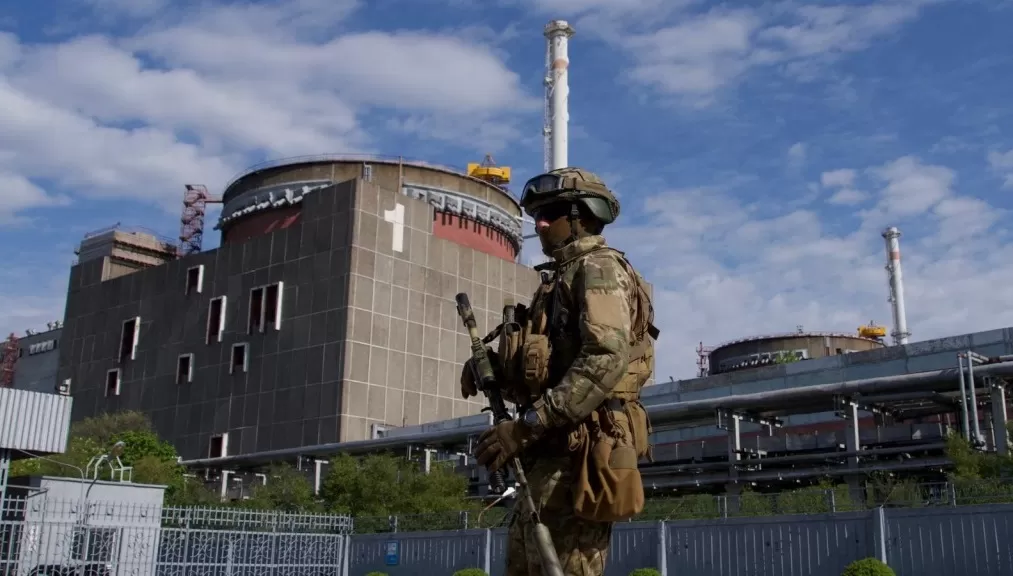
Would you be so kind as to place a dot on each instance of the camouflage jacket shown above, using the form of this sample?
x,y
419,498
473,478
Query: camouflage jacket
x,y
594,291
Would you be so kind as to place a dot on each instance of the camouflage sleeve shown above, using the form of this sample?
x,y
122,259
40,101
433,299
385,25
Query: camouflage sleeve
x,y
601,291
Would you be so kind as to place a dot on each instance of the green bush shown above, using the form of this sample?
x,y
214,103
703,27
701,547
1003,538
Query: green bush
x,y
377,574
645,572
471,572
868,567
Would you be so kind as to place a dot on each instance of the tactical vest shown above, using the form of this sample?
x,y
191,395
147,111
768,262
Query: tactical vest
x,y
546,338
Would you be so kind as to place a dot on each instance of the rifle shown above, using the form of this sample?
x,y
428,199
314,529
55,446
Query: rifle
x,y
485,379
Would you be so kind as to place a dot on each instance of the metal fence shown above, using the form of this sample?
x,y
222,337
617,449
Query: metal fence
x,y
723,538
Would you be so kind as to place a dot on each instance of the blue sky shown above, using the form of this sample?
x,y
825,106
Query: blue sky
x,y
759,148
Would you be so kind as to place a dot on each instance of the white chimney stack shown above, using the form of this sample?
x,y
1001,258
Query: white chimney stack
x,y
557,93
900,333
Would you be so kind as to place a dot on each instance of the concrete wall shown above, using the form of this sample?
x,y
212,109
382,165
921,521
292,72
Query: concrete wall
x,y
38,360
406,342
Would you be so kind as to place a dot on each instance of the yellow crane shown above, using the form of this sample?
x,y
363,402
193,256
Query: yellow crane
x,y
871,330
488,170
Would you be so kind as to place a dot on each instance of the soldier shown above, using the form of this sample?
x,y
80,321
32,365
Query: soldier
x,y
575,371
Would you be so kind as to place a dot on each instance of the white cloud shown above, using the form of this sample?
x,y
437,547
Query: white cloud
x,y
847,197
721,272
842,181
1002,163
194,97
838,178
692,55
197,92
797,155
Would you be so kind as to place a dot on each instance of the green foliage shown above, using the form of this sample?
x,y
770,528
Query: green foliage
x,y
474,572
868,567
287,490
385,484
786,357
377,574
153,459
645,572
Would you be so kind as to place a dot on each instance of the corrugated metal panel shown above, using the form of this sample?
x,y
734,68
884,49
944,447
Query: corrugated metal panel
x,y
974,540
634,545
34,421
420,553
819,545
497,552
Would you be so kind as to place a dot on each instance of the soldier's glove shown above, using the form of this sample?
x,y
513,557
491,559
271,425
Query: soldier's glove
x,y
499,444
469,387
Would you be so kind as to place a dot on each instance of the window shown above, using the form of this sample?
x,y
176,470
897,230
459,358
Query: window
x,y
219,446
240,358
113,382
195,280
265,307
367,172
216,320
184,369
128,339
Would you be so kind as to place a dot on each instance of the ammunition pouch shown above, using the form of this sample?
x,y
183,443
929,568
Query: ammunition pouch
x,y
607,449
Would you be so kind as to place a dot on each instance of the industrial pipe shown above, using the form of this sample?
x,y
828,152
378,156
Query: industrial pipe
x,y
762,476
974,399
964,422
683,414
669,468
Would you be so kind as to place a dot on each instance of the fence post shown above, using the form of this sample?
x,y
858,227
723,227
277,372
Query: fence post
x,y
345,559
879,533
487,556
662,560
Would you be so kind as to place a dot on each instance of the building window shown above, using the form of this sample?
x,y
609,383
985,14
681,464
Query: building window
x,y
195,280
265,307
219,446
184,369
216,320
240,358
129,337
113,382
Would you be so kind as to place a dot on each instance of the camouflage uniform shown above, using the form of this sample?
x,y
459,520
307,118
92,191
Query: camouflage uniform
x,y
596,322
600,291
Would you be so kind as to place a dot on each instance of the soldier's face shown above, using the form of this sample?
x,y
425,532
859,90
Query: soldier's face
x,y
552,226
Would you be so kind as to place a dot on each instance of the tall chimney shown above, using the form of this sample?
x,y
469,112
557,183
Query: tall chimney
x,y
900,333
557,93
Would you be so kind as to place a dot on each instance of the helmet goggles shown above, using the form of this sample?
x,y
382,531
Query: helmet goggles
x,y
554,188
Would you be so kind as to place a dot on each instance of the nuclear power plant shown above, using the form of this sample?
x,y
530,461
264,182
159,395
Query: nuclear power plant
x,y
325,323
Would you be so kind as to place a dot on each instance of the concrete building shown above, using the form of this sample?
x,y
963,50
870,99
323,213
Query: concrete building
x,y
38,357
326,314
757,351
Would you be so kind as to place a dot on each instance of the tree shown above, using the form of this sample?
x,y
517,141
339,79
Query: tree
x,y
286,490
154,460
384,484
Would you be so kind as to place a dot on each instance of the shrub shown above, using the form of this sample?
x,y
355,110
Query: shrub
x,y
377,574
645,572
471,572
868,567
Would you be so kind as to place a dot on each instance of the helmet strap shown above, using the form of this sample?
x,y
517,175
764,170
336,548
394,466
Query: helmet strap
x,y
574,217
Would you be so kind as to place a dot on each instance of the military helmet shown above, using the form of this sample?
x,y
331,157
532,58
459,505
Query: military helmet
x,y
571,185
